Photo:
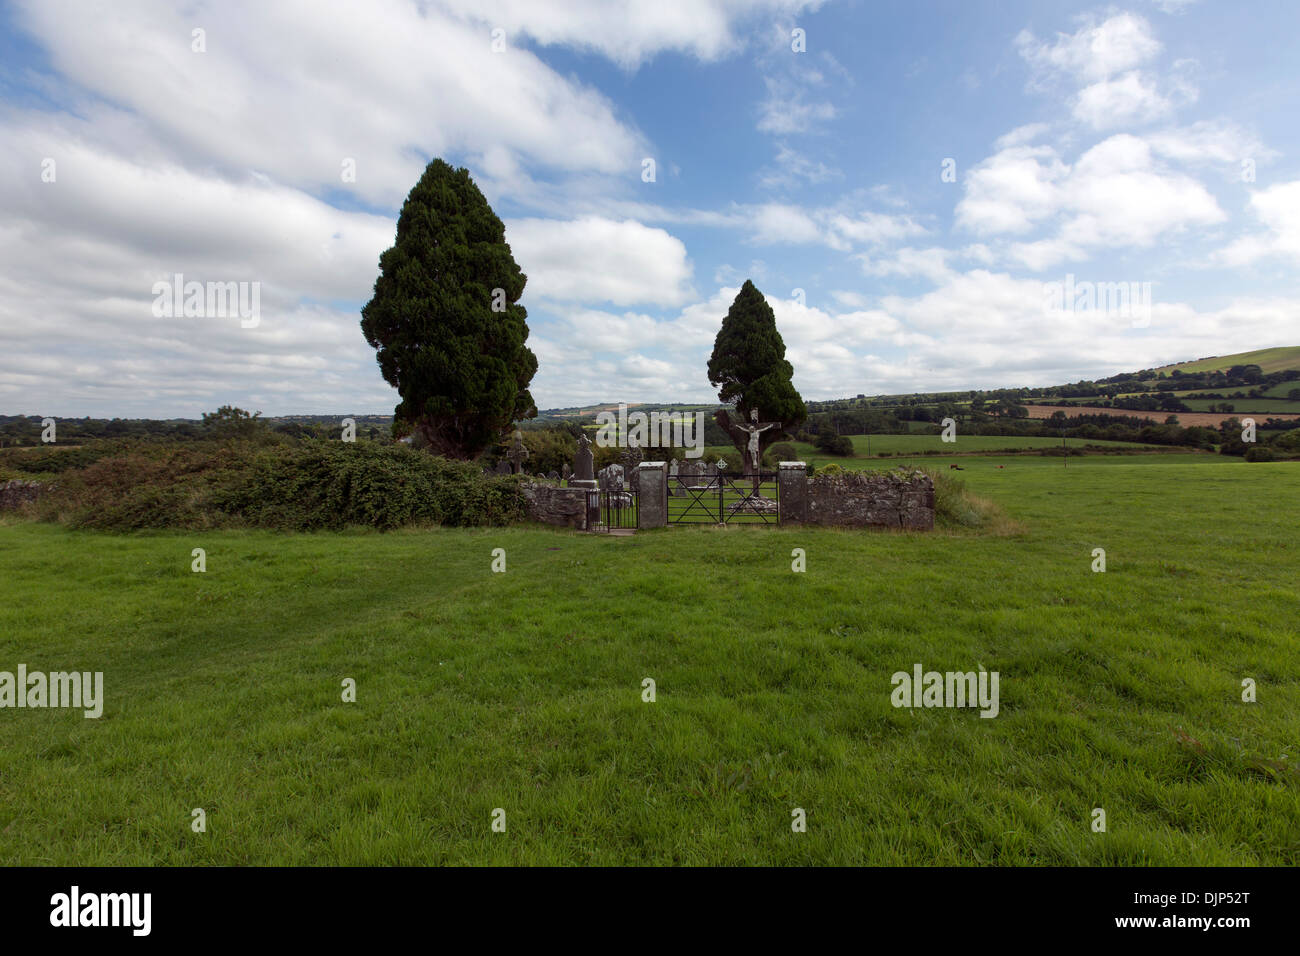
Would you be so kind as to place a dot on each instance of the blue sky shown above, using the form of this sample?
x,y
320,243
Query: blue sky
x,y
1151,143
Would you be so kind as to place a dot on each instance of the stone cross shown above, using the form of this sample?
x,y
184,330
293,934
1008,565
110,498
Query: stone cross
x,y
584,462
517,454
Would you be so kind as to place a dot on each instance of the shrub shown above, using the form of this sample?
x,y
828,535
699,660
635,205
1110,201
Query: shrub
x,y
331,485
840,445
956,508
1260,454
315,484
783,451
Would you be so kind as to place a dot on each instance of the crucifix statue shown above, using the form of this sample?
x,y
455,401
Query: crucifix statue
x,y
754,430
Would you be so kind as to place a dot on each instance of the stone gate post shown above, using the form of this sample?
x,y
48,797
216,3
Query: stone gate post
x,y
792,492
652,499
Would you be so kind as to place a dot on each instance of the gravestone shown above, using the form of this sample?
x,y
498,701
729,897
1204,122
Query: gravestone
x,y
553,475
583,465
631,460
503,468
673,469
611,478
517,454
566,473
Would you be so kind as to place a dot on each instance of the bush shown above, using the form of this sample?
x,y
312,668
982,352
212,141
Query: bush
x,y
840,445
831,469
315,484
956,508
331,485
783,451
1261,454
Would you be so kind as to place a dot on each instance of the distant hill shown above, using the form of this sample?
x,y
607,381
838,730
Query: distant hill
x,y
1269,360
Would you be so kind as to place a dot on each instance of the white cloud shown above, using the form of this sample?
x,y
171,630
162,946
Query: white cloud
x,y
1209,142
629,32
1119,196
593,260
907,262
1125,100
777,222
787,108
1094,52
1116,194
791,167
277,80
1278,207
1012,190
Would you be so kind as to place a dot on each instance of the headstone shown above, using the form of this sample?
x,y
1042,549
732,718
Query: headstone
x,y
673,470
583,463
611,478
553,475
566,472
631,460
503,468
517,454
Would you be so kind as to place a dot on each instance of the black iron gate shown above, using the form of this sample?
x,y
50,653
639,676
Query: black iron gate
x,y
724,499
611,509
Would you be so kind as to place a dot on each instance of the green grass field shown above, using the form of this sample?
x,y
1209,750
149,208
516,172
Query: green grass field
x,y
927,448
523,690
1269,360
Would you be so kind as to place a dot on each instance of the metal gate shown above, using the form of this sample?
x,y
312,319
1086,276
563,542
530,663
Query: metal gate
x,y
724,499
611,509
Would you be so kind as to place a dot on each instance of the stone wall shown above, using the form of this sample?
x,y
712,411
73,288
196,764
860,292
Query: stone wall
x,y
895,499
15,494
552,504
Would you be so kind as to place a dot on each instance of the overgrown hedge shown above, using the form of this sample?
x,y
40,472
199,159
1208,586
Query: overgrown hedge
x,y
299,486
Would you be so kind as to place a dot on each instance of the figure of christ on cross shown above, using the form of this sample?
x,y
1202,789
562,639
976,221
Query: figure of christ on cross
x,y
754,430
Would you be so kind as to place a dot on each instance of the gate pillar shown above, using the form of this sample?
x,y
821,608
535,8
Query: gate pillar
x,y
652,499
792,492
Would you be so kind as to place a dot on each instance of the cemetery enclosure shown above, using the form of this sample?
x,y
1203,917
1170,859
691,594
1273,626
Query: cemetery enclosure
x,y
522,689
660,494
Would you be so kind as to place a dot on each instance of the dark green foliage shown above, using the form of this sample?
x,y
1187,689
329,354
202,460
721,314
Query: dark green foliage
x,y
53,459
461,368
330,485
833,444
749,368
310,485
231,422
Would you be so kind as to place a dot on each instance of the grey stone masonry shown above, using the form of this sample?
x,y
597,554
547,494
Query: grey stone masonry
x,y
550,504
652,501
892,499
792,491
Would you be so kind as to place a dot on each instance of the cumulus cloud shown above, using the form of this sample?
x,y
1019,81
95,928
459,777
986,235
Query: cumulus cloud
x,y
1117,193
1095,51
1278,208
593,260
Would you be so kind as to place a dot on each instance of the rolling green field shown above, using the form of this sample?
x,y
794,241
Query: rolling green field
x,y
1269,360
928,447
523,690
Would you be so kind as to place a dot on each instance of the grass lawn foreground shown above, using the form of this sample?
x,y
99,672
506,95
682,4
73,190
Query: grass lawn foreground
x,y
523,690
